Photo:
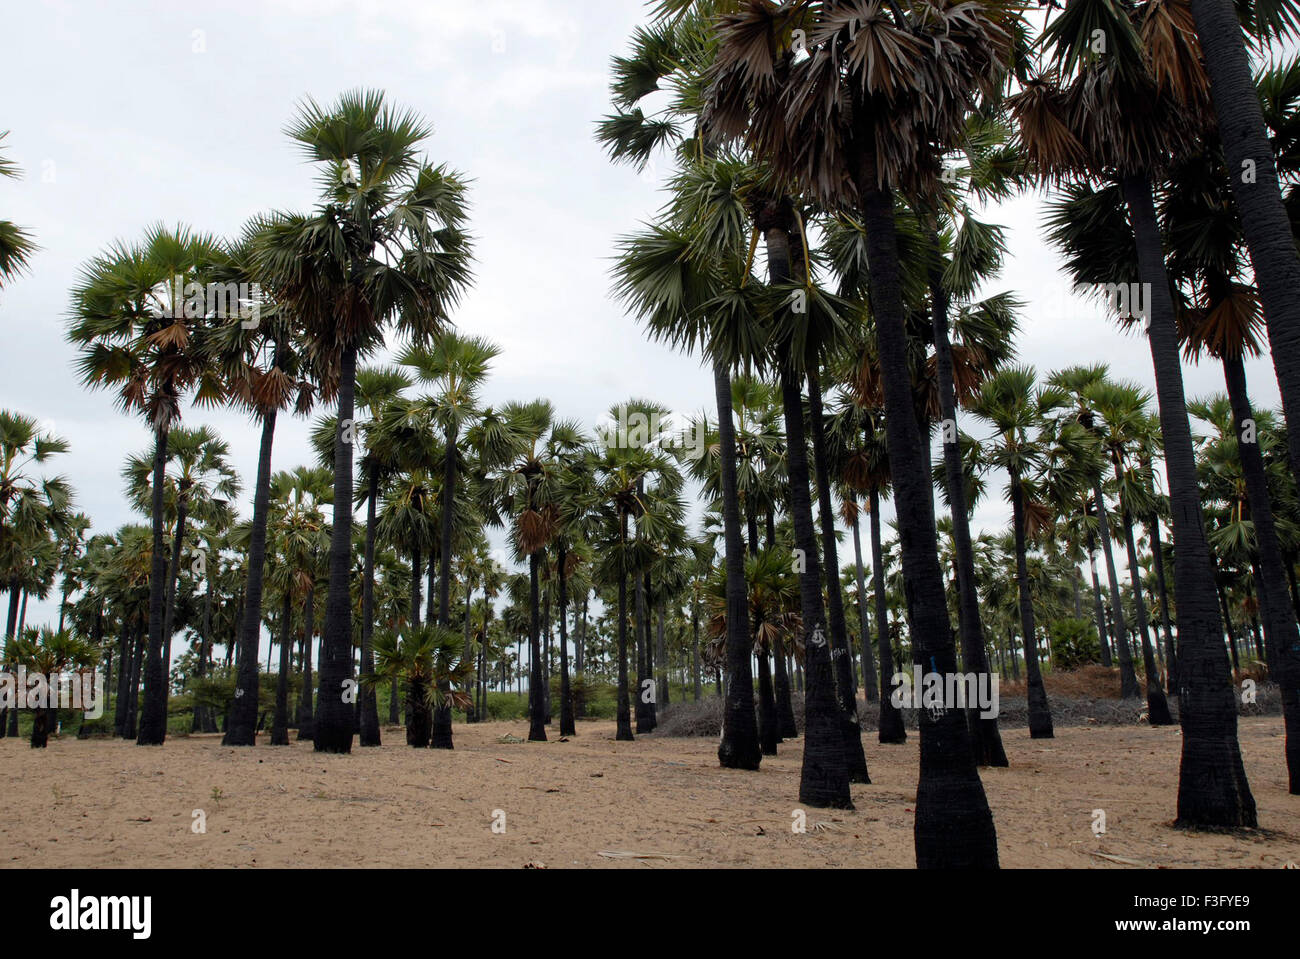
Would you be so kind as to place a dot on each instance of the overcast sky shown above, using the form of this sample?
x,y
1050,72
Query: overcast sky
x,y
130,113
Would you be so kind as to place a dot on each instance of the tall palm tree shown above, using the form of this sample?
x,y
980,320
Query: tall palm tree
x,y
1224,30
1120,119
1008,401
1129,432
198,476
134,336
385,246
874,127
668,274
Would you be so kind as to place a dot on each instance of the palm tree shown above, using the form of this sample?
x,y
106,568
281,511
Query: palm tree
x,y
27,500
16,244
298,531
265,364
135,337
1222,319
198,475
1009,403
456,368
874,128
386,245
49,653
1128,431
395,437
670,276
1121,118
1222,29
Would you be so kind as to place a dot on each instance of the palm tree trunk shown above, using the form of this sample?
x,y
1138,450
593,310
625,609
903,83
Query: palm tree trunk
x,y
335,718
1171,651
306,715
786,727
855,758
739,748
1099,610
954,827
824,779
1040,714
241,730
153,718
868,659
173,573
123,677
200,721
536,701
280,723
892,730
1277,612
767,732
624,717
1157,705
1226,610
1213,790
695,650
1127,675
567,725
1257,191
370,734
984,732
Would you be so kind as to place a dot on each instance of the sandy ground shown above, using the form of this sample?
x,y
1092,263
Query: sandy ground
x,y
112,804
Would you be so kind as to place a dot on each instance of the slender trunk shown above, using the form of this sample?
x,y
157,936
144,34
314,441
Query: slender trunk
x,y
370,734
663,687
739,748
624,716
1213,790
1040,714
695,649
241,729
1232,630
280,723
786,727
124,658
841,652
201,715
767,731
1099,611
892,730
536,700
1283,650
824,780
985,738
173,573
1127,675
1162,586
306,715
1157,705
954,827
567,725
869,678
1257,191
153,718
644,685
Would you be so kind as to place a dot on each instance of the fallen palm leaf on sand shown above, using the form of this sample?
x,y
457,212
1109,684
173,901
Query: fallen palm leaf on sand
x,y
618,854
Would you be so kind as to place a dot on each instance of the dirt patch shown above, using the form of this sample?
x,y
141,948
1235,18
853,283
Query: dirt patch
x,y
654,803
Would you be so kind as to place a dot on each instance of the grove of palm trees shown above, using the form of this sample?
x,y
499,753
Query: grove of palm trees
x,y
684,434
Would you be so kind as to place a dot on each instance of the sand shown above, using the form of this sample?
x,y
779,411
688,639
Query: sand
x,y
591,802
